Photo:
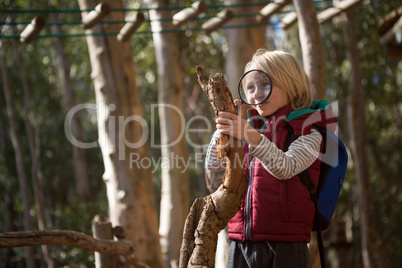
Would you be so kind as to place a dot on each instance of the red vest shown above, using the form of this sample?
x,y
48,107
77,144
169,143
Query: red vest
x,y
273,209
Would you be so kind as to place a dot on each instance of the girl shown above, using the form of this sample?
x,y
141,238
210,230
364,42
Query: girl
x,y
276,215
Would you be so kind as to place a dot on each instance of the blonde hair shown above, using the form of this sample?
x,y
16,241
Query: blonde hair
x,y
286,73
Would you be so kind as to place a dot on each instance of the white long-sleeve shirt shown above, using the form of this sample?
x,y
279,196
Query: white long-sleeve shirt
x,y
300,155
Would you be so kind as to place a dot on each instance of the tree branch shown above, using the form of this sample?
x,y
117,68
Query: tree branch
x,y
209,215
123,247
67,238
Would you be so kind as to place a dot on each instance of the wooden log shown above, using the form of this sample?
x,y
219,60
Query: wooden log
x,y
189,13
95,16
289,20
65,238
209,215
220,19
389,20
266,12
32,30
131,27
393,52
102,229
334,11
389,38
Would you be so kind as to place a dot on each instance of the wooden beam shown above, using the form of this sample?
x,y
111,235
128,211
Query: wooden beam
x,y
389,38
266,12
32,30
288,20
388,20
214,23
189,13
334,11
95,16
102,229
131,27
393,52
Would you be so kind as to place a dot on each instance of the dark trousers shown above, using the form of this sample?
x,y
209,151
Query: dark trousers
x,y
267,254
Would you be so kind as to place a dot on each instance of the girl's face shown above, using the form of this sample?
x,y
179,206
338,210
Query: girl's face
x,y
255,94
276,101
256,87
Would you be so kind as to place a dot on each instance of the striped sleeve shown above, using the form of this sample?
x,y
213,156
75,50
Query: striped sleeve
x,y
211,161
284,165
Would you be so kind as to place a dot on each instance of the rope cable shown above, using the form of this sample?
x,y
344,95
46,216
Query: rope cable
x,y
75,10
204,17
178,30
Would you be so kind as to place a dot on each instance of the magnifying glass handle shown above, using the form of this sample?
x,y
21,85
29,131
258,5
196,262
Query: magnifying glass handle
x,y
238,107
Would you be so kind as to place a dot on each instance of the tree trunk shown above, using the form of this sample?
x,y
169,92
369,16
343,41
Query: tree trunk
x,y
43,214
242,43
342,249
312,47
209,215
9,216
374,250
314,66
19,159
122,138
9,212
82,182
175,187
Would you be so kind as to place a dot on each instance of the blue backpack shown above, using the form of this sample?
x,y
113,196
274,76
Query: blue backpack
x,y
334,159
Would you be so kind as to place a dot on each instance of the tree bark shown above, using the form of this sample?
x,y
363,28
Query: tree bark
x,y
15,139
122,138
312,46
209,215
82,182
374,251
175,197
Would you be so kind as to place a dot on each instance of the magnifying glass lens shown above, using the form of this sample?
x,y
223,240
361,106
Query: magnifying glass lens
x,y
255,87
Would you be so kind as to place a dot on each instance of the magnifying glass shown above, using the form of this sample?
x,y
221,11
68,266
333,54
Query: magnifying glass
x,y
255,87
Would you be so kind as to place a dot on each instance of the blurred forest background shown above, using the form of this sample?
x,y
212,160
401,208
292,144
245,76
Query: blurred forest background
x,y
46,183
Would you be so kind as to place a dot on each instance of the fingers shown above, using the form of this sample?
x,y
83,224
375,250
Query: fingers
x,y
229,115
224,123
229,124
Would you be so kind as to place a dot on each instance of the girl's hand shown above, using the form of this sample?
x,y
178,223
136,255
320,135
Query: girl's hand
x,y
235,126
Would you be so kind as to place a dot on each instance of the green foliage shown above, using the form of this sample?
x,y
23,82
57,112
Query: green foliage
x,y
382,80
48,113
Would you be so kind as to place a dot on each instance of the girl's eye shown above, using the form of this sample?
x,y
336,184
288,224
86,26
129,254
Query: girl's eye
x,y
250,88
266,85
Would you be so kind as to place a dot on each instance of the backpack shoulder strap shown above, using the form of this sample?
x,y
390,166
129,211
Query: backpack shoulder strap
x,y
305,178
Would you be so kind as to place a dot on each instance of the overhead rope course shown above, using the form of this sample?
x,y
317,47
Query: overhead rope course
x,y
96,16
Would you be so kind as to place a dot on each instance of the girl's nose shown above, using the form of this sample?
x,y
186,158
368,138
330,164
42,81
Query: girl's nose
x,y
259,95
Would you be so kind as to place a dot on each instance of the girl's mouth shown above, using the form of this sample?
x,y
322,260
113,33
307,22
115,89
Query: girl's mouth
x,y
262,104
